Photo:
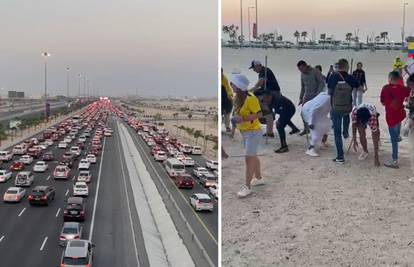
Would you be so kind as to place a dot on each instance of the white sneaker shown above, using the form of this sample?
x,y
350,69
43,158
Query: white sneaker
x,y
311,152
363,156
244,191
256,182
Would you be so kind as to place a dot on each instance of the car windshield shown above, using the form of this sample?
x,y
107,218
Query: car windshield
x,y
12,191
204,200
60,169
21,176
83,173
70,230
80,186
37,193
75,261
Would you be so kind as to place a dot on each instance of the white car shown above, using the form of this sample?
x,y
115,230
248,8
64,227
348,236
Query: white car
x,y
212,164
34,141
214,190
84,164
49,142
82,139
43,146
80,189
188,161
75,150
67,139
107,134
84,176
19,150
26,159
196,150
40,166
14,194
201,201
160,156
6,155
91,158
5,175
200,171
62,145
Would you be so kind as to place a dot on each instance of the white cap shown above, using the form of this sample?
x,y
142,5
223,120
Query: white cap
x,y
240,81
255,63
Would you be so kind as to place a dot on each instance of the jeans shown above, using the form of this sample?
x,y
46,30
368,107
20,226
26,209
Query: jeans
x,y
345,124
357,96
395,135
337,120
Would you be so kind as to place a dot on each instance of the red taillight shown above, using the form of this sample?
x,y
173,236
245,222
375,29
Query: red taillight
x,y
65,212
30,197
62,237
77,237
44,197
82,212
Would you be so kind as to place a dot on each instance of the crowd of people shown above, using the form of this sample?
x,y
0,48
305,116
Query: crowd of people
x,y
332,101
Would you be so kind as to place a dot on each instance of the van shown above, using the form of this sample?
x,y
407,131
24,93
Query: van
x,y
25,178
174,167
196,150
6,155
185,148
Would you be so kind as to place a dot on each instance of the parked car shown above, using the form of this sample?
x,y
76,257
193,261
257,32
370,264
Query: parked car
x,y
201,201
41,195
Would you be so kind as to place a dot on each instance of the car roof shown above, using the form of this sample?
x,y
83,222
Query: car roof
x,y
14,188
40,188
71,225
24,172
76,248
202,196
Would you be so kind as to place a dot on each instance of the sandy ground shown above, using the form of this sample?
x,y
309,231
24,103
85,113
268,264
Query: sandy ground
x,y
312,212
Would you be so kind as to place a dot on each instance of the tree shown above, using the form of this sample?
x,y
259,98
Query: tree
x,y
304,34
158,117
190,115
348,37
197,134
297,35
384,36
232,32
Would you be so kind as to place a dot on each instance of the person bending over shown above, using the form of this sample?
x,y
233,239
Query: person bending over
x,y
362,116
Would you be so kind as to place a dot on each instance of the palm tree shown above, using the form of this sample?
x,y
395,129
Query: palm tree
x,y
197,134
297,35
384,36
304,34
348,37
190,115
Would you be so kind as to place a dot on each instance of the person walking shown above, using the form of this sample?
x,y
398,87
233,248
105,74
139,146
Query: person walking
x,y
226,101
392,97
409,123
267,80
362,116
312,83
330,71
286,109
340,86
247,112
315,113
357,93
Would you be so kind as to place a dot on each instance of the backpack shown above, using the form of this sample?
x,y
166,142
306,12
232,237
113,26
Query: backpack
x,y
342,97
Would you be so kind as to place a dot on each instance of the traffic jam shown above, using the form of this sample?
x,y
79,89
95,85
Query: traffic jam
x,y
181,161
67,154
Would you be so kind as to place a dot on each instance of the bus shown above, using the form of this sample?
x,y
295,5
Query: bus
x,y
174,167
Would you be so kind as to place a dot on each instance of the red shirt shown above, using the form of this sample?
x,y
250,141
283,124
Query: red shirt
x,y
392,97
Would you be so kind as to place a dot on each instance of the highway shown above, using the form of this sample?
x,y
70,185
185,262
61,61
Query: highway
x,y
29,234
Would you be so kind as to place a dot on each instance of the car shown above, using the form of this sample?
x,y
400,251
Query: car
x,y
49,142
201,201
34,152
91,158
69,155
77,252
43,146
48,156
63,144
25,178
34,140
212,164
66,162
14,194
94,151
160,155
208,179
197,150
70,231
84,176
80,189
84,164
19,149
214,190
61,172
199,171
5,175
188,161
75,210
154,150
80,145
40,166
67,140
17,166
82,139
75,150
6,156
26,159
184,181
107,134
41,195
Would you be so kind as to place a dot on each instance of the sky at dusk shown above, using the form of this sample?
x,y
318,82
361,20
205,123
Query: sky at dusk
x,y
155,47
323,16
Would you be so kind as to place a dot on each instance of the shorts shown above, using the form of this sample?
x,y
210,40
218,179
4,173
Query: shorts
x,y
251,142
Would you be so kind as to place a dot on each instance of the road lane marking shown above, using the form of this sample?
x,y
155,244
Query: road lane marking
x,y
127,198
1,238
74,176
43,244
48,178
20,214
57,213
67,192
97,193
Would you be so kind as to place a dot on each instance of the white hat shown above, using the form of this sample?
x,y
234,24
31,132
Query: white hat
x,y
240,81
255,63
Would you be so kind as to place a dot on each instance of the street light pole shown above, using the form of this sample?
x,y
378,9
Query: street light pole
x,y
248,18
241,22
403,23
45,56
257,25
67,82
79,91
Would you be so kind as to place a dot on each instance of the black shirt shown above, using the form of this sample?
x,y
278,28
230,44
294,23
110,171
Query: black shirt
x,y
360,76
281,104
271,82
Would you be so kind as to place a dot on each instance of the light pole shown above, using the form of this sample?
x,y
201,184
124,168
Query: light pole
x,y
79,76
403,23
241,22
257,25
45,56
67,83
248,17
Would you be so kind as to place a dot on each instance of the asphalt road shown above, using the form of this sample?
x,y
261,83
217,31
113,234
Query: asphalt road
x,y
204,224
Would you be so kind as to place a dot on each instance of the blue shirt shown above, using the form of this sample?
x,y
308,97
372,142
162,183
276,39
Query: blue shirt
x,y
335,77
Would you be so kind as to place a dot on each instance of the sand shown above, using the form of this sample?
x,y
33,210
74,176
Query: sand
x,y
312,212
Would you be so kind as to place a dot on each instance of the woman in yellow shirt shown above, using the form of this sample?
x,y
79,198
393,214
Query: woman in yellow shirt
x,y
247,113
